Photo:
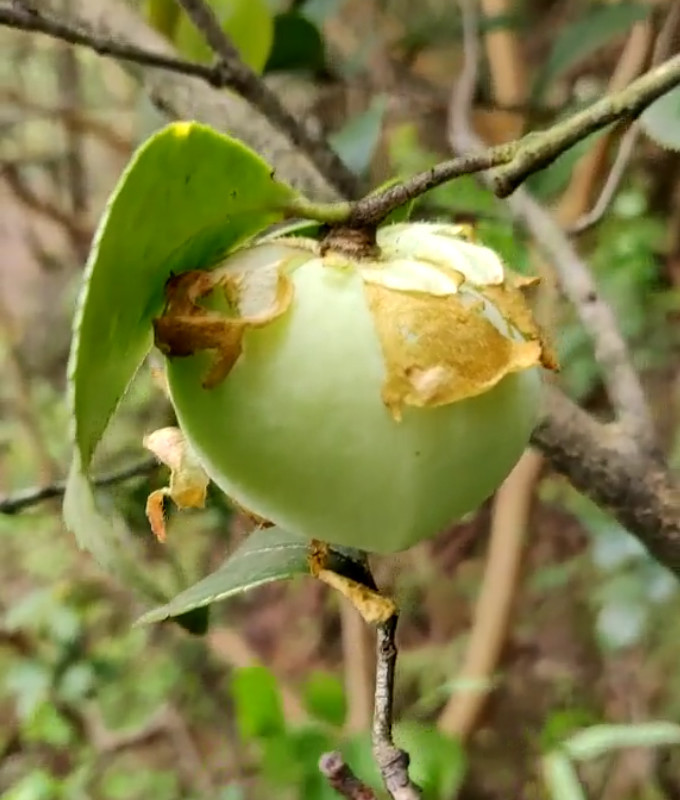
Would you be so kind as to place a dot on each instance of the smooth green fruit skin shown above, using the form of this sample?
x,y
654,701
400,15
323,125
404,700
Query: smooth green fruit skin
x,y
299,435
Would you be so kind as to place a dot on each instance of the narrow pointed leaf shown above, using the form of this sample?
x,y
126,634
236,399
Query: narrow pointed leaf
x,y
267,555
599,740
561,778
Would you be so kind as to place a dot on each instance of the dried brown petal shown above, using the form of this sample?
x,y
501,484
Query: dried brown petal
x,y
188,481
255,293
439,350
512,304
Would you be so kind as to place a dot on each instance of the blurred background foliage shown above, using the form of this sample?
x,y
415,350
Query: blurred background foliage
x,y
92,707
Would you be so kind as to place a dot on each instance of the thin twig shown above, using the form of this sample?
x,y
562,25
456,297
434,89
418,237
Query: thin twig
x,y
242,78
392,762
515,161
541,148
79,34
620,378
371,209
341,778
611,185
188,97
229,72
591,167
662,49
30,497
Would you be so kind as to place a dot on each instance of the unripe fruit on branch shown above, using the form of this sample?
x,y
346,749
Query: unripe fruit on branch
x,y
365,402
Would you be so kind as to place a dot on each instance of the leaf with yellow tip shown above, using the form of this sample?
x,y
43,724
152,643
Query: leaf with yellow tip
x,y
188,196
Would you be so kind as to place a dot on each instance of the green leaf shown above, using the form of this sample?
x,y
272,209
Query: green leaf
x,y
248,24
30,682
47,725
297,45
561,778
324,697
259,711
37,785
599,25
102,533
661,121
438,762
356,141
268,554
187,197
163,15
599,740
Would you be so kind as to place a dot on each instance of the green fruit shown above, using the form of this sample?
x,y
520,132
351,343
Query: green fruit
x,y
366,403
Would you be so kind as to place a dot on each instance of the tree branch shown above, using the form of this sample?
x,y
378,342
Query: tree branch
x,y
341,778
541,148
179,88
392,762
597,460
514,161
31,497
229,71
620,378
78,34
662,48
248,84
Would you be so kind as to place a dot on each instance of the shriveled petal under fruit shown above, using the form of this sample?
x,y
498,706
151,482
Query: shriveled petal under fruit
x,y
247,292
440,350
188,481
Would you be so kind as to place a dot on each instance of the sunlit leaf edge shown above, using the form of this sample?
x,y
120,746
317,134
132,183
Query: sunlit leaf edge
x,y
86,447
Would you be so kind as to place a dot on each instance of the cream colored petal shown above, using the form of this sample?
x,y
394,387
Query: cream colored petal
x,y
409,275
446,245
